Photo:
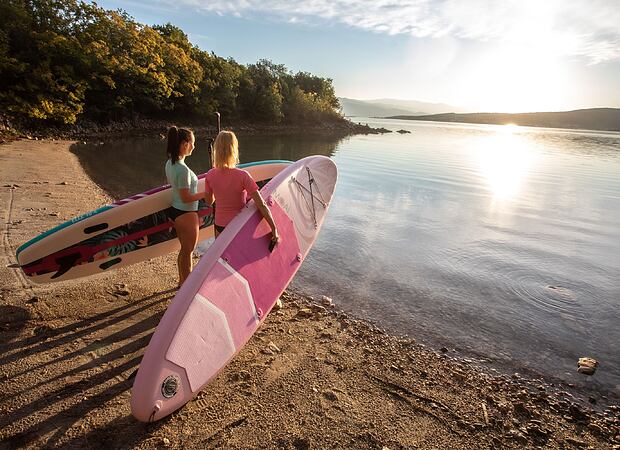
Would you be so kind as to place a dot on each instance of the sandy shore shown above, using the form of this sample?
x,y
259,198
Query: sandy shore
x,y
311,377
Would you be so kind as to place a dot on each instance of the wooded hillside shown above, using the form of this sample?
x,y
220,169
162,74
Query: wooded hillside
x,y
62,60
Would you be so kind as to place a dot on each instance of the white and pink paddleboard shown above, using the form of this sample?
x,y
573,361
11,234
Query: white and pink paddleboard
x,y
126,232
232,289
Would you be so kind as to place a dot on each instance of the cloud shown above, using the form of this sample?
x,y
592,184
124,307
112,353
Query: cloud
x,y
585,28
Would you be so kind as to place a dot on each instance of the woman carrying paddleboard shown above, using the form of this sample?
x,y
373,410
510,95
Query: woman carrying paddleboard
x,y
231,187
185,197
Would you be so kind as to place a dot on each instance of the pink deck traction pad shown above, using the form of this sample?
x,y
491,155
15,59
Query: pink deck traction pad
x,y
202,344
231,296
267,273
229,304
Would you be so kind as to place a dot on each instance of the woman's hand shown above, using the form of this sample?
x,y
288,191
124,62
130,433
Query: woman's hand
x,y
264,210
275,237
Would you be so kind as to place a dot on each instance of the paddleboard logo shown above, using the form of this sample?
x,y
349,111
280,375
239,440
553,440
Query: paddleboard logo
x,y
170,386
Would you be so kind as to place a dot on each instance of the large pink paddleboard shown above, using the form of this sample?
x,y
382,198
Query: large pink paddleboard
x,y
232,289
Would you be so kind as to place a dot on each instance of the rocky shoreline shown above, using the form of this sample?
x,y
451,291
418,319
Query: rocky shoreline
x,y
311,377
89,130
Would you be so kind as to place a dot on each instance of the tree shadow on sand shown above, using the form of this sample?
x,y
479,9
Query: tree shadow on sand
x,y
122,432
82,383
62,421
47,338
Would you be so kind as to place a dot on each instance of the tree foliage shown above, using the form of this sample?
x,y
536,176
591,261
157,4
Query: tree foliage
x,y
64,59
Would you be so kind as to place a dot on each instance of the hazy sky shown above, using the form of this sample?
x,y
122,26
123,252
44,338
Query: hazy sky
x,y
483,55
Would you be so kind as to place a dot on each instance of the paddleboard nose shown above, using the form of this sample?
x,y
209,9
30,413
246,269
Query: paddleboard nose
x,y
155,395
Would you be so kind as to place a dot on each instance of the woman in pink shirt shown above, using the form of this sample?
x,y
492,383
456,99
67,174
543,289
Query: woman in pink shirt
x,y
231,187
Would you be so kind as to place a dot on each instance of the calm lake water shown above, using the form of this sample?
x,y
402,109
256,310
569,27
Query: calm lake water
x,y
500,242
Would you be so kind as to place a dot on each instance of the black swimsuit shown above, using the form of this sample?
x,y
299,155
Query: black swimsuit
x,y
173,213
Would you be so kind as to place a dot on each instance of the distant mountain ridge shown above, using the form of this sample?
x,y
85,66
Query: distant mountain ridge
x,y
601,119
427,107
391,107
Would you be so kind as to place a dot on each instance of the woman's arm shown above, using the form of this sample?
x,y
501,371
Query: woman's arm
x,y
186,197
209,198
264,210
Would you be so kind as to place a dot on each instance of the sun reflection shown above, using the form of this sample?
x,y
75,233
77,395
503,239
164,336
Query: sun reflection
x,y
504,161
510,128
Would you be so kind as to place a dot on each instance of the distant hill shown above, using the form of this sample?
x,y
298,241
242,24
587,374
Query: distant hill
x,y
391,107
426,107
602,119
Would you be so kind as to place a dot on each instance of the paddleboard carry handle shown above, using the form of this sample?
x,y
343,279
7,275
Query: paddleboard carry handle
x,y
94,228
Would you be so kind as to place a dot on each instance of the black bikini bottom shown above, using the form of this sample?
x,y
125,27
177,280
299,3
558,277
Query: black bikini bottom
x,y
173,212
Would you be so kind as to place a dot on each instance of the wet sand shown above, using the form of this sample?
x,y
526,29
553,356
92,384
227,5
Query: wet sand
x,y
311,377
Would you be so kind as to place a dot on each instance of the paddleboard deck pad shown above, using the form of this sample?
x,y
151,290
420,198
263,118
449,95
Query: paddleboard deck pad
x,y
128,231
232,289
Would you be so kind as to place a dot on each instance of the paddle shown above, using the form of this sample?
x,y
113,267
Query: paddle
x,y
210,141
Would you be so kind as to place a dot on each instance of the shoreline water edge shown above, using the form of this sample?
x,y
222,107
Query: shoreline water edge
x,y
311,377
88,130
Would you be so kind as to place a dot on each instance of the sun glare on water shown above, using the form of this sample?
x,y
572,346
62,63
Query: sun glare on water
x,y
504,161
510,128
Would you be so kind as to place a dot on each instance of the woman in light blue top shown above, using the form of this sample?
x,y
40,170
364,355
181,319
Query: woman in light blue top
x,y
184,196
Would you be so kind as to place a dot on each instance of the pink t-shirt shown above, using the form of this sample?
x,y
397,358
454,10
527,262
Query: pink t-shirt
x,y
231,188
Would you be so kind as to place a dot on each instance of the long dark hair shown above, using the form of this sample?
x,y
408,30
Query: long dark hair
x,y
175,137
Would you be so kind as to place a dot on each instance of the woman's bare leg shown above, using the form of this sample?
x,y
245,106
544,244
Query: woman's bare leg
x,y
186,226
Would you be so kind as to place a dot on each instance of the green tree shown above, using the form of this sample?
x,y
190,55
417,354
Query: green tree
x,y
322,87
310,99
174,35
135,69
260,91
64,59
219,87
40,64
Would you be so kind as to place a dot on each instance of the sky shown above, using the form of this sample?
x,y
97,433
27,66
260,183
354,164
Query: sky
x,y
477,55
